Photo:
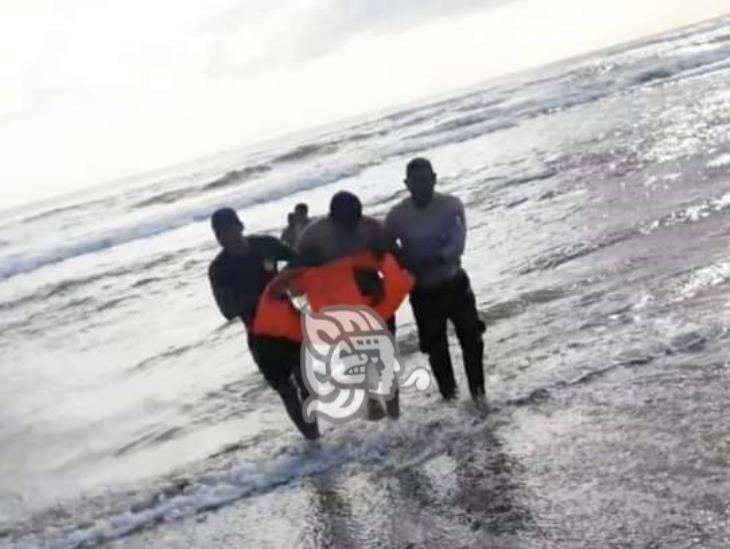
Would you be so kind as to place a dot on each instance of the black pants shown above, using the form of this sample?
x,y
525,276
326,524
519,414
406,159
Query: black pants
x,y
279,360
432,307
392,406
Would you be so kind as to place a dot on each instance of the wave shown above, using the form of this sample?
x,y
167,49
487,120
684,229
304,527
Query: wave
x,y
187,498
23,263
237,176
460,123
665,70
153,437
146,281
562,96
432,139
71,285
623,75
16,264
703,279
169,197
305,151
658,73
510,308
720,39
230,178
618,72
570,252
164,356
720,162
690,214
221,481
54,211
519,181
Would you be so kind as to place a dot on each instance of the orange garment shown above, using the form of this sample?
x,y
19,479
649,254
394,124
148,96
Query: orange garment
x,y
330,285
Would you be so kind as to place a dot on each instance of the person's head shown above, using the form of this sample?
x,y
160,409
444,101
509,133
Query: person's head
x,y
345,210
301,212
291,218
228,230
420,180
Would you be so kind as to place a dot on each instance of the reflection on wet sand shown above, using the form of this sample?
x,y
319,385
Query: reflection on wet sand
x,y
330,519
467,495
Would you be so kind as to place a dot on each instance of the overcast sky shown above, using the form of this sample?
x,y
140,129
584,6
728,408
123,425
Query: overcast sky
x,y
93,90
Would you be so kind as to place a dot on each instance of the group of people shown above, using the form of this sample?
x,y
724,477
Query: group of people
x,y
426,232
297,221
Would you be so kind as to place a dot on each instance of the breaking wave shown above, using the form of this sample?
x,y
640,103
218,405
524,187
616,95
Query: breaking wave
x,y
475,115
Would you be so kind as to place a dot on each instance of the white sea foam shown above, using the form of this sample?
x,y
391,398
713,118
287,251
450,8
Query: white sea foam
x,y
218,490
722,161
485,116
704,279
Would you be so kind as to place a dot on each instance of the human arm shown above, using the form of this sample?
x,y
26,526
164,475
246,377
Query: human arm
x,y
454,239
277,250
380,241
309,248
231,304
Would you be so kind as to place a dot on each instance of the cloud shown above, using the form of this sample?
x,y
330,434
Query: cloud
x,y
91,90
290,31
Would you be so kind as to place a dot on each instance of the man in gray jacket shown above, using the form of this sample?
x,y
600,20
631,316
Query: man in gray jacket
x,y
430,229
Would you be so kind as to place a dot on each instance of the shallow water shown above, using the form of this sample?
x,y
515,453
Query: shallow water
x,y
597,195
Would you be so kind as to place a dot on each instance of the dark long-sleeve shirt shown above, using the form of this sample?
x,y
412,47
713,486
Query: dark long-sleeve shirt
x,y
290,235
238,281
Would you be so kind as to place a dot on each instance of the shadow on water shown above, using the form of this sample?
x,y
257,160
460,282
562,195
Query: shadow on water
x,y
467,494
330,515
488,489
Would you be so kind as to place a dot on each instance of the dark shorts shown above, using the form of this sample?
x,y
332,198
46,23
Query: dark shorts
x,y
277,358
453,300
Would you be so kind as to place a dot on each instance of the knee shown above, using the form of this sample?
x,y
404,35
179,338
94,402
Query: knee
x,y
471,331
435,345
280,385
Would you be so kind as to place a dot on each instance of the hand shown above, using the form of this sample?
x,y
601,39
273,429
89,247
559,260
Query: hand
x,y
280,291
370,284
282,284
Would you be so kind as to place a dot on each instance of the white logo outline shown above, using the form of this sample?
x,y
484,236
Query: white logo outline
x,y
349,356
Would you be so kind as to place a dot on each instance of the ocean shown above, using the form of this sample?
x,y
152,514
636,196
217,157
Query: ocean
x,y
597,193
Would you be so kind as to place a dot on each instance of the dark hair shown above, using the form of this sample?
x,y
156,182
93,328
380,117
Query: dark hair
x,y
419,165
345,208
225,217
301,206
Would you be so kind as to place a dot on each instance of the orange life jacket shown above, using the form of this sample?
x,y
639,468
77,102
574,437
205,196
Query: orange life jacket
x,y
329,285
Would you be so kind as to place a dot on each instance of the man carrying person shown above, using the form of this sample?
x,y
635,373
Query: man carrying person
x,y
430,229
238,277
342,233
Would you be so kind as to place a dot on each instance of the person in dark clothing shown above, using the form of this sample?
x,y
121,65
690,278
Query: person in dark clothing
x,y
238,277
297,221
244,267
301,215
345,232
290,235
430,229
